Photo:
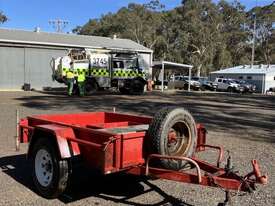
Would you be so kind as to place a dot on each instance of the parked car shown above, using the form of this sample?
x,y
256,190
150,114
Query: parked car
x,y
248,88
205,83
194,84
228,85
181,82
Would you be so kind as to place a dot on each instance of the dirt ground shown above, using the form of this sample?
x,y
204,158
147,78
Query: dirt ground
x,y
243,124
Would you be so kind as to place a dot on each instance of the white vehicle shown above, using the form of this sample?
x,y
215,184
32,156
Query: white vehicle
x,y
228,85
103,70
195,85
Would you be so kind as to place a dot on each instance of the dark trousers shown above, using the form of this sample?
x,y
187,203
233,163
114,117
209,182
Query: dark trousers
x,y
81,87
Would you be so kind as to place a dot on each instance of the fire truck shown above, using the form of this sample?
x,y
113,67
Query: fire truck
x,y
103,69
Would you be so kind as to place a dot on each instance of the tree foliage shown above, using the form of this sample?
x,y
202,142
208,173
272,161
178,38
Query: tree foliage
x,y
3,17
208,35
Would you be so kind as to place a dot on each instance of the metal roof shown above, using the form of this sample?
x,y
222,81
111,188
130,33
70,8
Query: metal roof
x,y
173,64
247,69
68,40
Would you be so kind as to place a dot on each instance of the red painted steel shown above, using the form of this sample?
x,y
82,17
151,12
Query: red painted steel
x,y
112,142
88,134
230,182
151,156
201,140
220,149
262,179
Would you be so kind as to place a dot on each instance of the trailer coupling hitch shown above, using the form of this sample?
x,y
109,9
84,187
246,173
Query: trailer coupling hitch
x,y
261,179
248,183
229,164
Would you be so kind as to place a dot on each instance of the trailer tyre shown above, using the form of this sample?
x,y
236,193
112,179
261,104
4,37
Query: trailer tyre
x,y
173,132
50,173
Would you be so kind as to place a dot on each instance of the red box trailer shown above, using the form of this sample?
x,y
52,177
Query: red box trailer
x,y
163,146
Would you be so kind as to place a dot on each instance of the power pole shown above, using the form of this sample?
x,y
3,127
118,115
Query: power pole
x,y
58,24
253,43
254,37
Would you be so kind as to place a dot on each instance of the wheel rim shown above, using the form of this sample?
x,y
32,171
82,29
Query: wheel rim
x,y
43,167
178,139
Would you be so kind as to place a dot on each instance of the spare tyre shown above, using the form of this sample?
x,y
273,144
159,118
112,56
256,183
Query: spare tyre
x,y
172,132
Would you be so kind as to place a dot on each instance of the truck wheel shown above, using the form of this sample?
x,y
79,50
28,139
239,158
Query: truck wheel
x,y
50,173
91,86
137,87
124,90
75,89
173,132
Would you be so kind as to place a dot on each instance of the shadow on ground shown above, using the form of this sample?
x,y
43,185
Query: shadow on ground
x,y
117,188
219,112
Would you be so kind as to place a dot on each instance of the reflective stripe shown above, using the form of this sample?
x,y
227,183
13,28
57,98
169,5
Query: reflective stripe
x,y
122,73
127,73
81,70
81,75
100,72
64,71
75,71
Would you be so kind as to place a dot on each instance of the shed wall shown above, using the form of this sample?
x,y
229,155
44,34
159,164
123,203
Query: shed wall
x,y
12,68
270,81
21,65
38,69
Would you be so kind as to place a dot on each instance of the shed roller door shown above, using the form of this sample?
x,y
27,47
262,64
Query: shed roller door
x,y
12,68
38,69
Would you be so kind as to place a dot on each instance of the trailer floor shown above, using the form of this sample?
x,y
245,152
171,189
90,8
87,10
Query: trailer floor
x,y
244,124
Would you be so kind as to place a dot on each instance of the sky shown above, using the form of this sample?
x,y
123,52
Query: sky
x,y
28,14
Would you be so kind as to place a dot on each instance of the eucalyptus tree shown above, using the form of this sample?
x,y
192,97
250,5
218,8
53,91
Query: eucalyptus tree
x,y
265,31
3,17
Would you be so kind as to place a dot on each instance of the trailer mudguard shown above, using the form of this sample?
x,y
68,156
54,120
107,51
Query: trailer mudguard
x,y
59,134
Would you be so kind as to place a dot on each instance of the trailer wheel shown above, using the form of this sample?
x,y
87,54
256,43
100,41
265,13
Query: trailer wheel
x,y
173,132
50,173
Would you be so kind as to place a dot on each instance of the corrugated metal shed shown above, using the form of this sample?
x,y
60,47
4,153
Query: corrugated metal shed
x,y
263,76
68,40
247,69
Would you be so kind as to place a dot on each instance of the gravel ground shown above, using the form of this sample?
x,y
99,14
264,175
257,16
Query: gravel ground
x,y
245,125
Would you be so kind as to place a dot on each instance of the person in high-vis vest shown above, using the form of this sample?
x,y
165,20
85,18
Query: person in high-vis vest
x,y
70,79
81,83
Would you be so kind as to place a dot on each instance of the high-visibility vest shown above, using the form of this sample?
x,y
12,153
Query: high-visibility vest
x,y
70,75
81,77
